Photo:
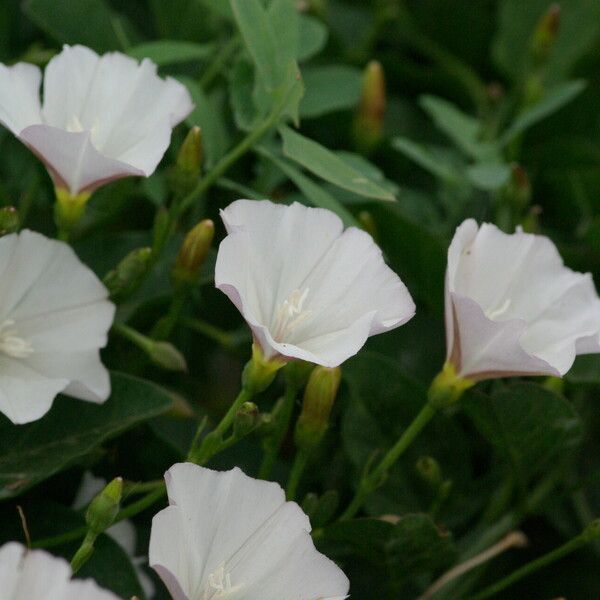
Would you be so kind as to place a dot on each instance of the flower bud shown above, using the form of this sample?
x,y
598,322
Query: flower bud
x,y
545,33
246,419
193,252
319,396
69,209
104,507
9,220
165,355
259,371
186,172
368,122
429,471
125,277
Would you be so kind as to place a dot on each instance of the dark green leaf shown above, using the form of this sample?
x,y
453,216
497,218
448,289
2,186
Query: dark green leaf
x,y
329,88
31,453
169,52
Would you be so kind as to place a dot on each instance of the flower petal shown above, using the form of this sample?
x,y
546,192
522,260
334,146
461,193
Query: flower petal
x,y
37,575
19,96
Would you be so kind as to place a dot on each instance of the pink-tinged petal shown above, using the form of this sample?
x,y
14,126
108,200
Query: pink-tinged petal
x,y
336,281
72,160
19,96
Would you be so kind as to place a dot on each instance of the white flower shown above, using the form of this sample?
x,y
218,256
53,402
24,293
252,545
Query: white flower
x,y
102,117
228,536
54,317
307,288
123,532
513,308
37,575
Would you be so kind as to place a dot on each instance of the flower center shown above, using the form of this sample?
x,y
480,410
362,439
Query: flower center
x,y
10,343
219,585
495,312
75,126
290,314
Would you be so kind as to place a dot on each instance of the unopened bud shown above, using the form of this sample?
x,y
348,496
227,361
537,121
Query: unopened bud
x,y
259,371
104,507
165,355
193,251
310,505
545,33
125,277
246,419
186,172
319,397
9,220
69,209
429,470
368,122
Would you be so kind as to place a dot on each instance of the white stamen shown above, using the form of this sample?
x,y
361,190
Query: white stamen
x,y
76,126
290,314
10,343
494,313
219,584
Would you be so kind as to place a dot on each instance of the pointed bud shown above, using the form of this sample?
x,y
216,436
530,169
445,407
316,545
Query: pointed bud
x,y
319,397
186,172
193,252
125,277
246,419
368,122
545,33
429,470
104,507
69,209
165,355
9,220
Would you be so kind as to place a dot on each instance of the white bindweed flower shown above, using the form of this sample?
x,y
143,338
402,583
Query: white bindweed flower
x,y
102,117
228,536
54,318
37,575
123,532
307,288
513,308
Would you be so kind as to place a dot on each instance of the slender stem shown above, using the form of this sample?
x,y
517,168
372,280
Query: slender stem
x,y
229,159
575,543
372,480
284,416
223,338
227,420
238,188
163,329
135,337
296,473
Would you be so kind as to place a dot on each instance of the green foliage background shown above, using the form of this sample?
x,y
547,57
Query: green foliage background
x,y
467,98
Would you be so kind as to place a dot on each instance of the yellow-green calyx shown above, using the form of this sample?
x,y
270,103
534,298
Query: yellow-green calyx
x,y
319,397
260,371
448,387
193,251
69,208
104,507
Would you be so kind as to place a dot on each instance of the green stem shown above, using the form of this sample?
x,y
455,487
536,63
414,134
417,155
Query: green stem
x,y
84,552
165,326
222,57
140,340
591,533
223,338
372,480
296,473
229,159
284,416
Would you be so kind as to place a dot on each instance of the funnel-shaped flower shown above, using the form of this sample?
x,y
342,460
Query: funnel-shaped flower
x,y
37,575
226,535
513,308
307,288
102,117
54,317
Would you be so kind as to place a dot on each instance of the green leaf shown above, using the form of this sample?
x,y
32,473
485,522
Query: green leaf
x,y
241,86
208,115
586,369
552,101
32,453
531,426
315,194
330,88
283,19
312,37
464,130
169,52
90,22
427,158
488,176
325,164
